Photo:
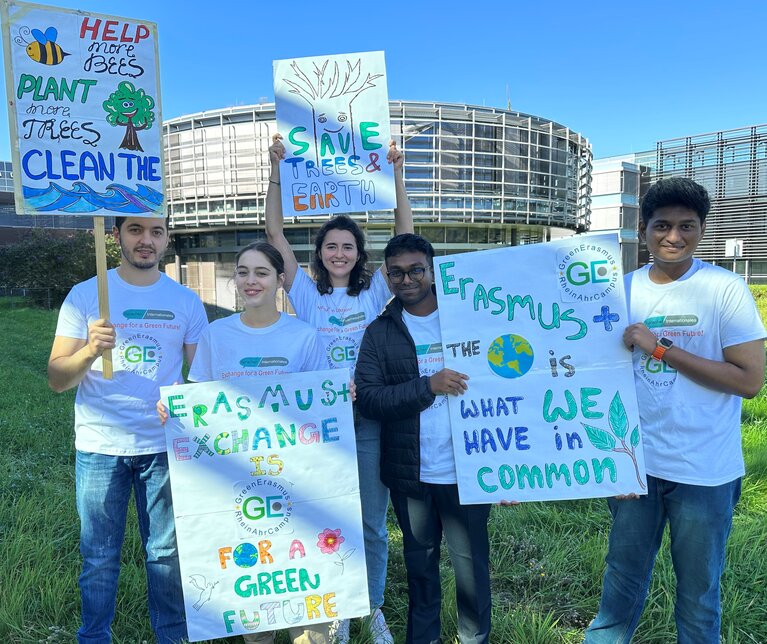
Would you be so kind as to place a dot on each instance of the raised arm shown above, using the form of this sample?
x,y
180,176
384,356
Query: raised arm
x,y
403,213
740,373
275,221
71,358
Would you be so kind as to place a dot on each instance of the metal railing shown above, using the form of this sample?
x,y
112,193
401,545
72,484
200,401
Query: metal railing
x,y
20,297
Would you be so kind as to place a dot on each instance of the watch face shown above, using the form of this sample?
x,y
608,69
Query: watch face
x,y
665,342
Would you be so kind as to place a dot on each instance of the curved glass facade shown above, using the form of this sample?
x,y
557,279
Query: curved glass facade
x,y
477,177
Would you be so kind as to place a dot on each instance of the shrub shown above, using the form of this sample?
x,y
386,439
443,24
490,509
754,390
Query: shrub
x,y
44,260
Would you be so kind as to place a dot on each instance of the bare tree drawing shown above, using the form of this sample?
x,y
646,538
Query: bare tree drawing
x,y
333,89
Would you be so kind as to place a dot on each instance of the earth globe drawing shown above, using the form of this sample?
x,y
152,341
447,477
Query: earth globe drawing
x,y
510,356
245,555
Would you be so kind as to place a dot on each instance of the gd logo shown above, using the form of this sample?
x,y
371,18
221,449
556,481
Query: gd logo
x,y
263,506
342,351
140,354
580,273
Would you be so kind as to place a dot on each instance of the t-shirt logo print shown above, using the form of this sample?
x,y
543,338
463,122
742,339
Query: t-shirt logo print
x,y
656,372
263,362
349,319
140,354
148,314
342,351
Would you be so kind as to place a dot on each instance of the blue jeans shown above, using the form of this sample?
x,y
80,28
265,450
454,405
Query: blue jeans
x,y
374,498
423,521
699,521
104,486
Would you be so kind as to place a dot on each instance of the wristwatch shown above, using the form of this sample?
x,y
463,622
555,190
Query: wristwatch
x,y
661,346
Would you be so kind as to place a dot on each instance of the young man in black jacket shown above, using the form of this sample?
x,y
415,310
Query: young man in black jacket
x,y
401,381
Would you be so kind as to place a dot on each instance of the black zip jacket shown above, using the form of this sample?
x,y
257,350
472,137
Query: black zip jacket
x,y
390,389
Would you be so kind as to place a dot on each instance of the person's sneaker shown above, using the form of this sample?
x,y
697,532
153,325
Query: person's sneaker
x,y
339,632
379,630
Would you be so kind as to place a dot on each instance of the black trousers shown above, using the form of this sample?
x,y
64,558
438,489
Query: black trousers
x,y
423,522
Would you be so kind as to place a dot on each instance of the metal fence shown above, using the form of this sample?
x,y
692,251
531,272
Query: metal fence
x,y
14,296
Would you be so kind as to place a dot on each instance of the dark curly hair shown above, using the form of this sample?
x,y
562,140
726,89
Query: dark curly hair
x,y
676,191
360,277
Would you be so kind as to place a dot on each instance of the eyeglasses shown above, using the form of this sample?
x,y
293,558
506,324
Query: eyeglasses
x,y
415,274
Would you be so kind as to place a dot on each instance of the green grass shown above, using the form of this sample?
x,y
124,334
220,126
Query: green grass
x,y
547,559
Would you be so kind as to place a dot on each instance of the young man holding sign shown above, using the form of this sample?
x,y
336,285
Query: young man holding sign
x,y
154,324
698,347
401,381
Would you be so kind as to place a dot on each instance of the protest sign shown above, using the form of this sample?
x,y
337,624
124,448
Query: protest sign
x,y
334,114
84,107
550,411
266,502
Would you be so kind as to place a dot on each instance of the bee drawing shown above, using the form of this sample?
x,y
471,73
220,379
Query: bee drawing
x,y
44,48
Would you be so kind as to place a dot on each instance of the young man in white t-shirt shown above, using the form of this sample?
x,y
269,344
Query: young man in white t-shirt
x,y
154,323
401,381
698,349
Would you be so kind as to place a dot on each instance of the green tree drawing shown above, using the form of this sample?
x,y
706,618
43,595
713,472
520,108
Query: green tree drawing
x,y
130,108
619,426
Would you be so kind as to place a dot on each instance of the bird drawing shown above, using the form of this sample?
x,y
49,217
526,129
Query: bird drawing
x,y
205,588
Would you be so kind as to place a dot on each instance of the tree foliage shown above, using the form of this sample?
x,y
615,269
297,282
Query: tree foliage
x,y
43,260
130,108
129,105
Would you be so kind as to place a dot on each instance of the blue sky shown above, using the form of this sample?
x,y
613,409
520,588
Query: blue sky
x,y
622,74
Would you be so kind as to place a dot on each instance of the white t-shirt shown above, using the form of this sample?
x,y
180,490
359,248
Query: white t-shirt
x,y
436,442
340,319
153,323
691,434
230,349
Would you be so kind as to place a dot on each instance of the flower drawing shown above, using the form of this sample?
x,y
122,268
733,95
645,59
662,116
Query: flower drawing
x,y
329,541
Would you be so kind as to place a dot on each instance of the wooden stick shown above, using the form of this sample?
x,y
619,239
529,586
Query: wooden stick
x,y
103,291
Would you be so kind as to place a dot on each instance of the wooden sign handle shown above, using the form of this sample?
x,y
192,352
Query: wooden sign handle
x,y
103,291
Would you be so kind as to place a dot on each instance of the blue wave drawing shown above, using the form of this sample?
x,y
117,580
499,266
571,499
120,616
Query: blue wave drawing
x,y
83,198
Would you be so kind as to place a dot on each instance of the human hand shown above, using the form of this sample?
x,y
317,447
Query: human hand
x,y
638,335
395,156
101,337
447,381
162,412
276,149
626,497
353,390
508,504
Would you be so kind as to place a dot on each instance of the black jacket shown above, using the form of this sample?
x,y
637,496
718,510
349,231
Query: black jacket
x,y
390,389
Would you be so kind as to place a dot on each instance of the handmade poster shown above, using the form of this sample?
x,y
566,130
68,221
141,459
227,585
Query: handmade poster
x,y
333,112
266,502
84,108
550,411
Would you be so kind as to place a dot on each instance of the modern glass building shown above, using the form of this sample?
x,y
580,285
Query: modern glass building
x,y
615,204
732,165
477,177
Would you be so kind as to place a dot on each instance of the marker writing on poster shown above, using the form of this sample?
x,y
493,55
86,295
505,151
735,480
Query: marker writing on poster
x,y
498,303
288,611
271,396
235,442
111,53
79,166
65,130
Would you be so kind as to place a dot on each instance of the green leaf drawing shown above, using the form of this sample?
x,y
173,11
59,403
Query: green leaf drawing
x,y
600,438
619,422
635,436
